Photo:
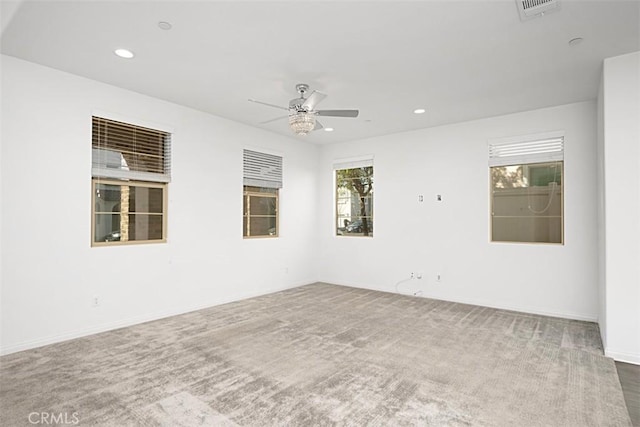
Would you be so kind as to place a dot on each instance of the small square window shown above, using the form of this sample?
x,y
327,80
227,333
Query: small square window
x,y
128,211
260,212
527,203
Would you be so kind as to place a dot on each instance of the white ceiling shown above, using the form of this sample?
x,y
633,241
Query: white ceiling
x,y
461,60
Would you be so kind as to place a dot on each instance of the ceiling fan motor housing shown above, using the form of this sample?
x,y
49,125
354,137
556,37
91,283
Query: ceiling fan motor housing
x,y
296,105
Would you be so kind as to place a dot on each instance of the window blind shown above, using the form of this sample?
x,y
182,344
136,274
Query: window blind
x,y
352,163
262,169
526,152
125,151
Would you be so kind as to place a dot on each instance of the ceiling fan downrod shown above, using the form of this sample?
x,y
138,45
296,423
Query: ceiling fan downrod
x,y
302,88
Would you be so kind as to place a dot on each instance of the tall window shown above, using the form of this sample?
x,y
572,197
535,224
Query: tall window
x,y
262,182
527,190
354,198
130,172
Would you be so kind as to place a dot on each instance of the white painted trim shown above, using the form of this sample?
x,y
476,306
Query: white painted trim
x,y
136,320
619,356
481,303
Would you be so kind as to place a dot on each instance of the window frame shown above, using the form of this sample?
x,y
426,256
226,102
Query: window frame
x,y
132,183
561,187
526,151
262,170
246,216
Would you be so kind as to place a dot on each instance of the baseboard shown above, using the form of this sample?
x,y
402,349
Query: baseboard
x,y
110,326
483,303
619,356
528,310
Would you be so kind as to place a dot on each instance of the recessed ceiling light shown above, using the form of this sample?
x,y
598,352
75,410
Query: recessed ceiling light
x,y
124,53
328,129
575,41
419,111
164,25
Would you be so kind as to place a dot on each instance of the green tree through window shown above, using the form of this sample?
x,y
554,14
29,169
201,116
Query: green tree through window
x,y
354,189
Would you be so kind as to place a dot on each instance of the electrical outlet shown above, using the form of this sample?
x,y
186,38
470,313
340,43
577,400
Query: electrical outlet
x,y
412,275
420,198
96,301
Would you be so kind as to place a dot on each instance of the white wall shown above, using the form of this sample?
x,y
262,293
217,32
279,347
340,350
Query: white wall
x,y
51,274
601,215
451,237
621,127
1,223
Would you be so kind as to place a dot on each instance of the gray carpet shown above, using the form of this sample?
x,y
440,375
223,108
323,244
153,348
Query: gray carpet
x,y
324,355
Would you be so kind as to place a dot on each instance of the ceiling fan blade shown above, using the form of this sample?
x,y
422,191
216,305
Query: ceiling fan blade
x,y
318,126
338,113
273,120
268,105
314,99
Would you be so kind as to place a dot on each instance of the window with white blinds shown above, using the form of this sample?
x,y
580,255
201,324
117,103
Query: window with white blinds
x,y
130,168
527,191
262,179
262,169
125,151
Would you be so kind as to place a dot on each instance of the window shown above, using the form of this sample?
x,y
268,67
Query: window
x,y
128,211
354,198
527,190
262,182
130,172
260,212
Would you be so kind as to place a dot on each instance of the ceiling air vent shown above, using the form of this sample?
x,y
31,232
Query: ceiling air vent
x,y
535,8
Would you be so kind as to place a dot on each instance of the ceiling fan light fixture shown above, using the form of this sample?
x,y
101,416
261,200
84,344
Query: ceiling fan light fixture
x,y
302,123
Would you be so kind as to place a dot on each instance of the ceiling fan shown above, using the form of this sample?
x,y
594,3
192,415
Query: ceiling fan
x,y
302,111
